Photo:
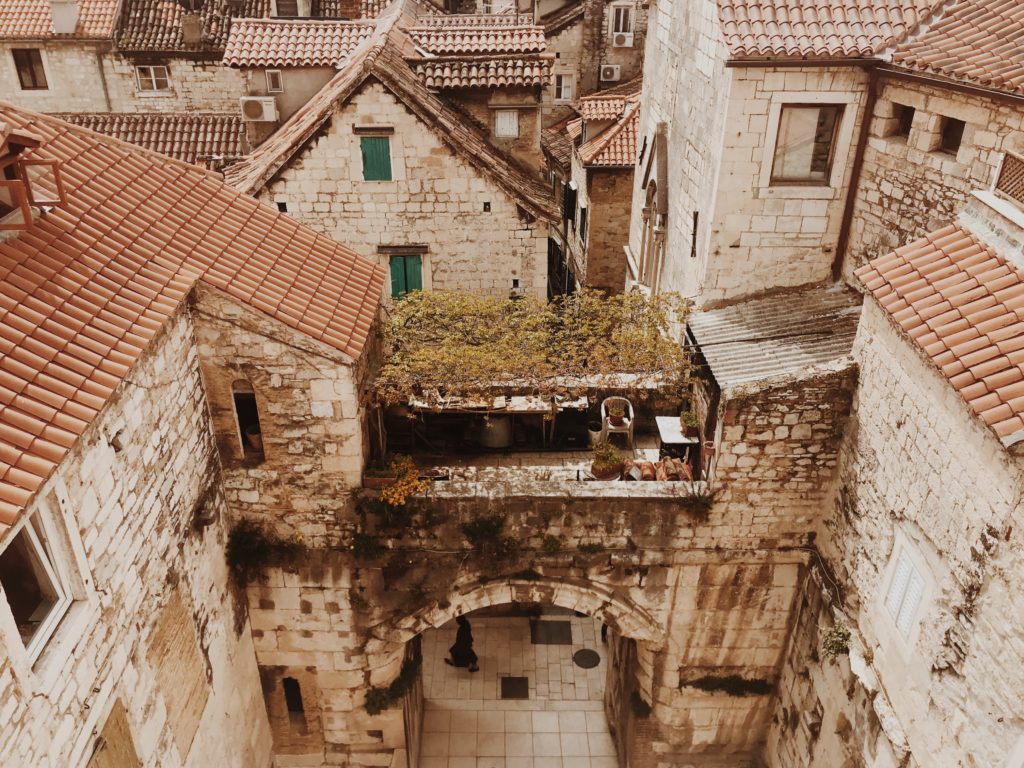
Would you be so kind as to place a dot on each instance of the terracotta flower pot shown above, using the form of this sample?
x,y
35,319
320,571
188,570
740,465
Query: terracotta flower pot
x,y
606,471
616,421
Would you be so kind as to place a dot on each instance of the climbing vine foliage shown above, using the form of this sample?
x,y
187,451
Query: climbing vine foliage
x,y
464,345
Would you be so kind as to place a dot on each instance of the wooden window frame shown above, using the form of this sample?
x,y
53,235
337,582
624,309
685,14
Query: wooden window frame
x,y
58,180
405,254
826,181
505,111
559,98
20,195
151,76
35,85
630,14
272,74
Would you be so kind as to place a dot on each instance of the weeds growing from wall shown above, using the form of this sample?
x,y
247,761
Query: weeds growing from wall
x,y
251,548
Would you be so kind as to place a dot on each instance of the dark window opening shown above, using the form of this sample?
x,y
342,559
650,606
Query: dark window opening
x,y
248,416
487,207
952,135
583,225
904,119
282,207
569,204
287,7
293,701
29,63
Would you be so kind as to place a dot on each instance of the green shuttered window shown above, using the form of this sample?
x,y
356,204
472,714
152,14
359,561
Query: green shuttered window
x,y
406,274
376,158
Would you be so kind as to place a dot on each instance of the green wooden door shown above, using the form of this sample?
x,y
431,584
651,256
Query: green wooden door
x,y
406,274
376,158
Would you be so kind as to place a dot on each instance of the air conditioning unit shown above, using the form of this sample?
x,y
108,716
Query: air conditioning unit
x,y
622,40
259,109
610,73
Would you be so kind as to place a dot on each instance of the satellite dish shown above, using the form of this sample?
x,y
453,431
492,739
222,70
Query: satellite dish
x,y
191,6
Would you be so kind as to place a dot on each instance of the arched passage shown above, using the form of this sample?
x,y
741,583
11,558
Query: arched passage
x,y
621,614
565,708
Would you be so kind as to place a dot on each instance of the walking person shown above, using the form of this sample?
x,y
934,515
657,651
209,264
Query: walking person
x,y
462,653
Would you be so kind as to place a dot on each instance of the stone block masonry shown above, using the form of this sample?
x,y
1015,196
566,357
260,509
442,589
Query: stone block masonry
x,y
135,561
477,240
909,186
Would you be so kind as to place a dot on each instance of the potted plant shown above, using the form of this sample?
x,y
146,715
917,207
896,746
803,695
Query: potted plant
x,y
688,421
608,462
616,414
380,474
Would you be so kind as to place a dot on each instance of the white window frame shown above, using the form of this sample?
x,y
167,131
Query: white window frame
x,y
47,562
567,83
150,76
628,11
507,134
272,74
843,142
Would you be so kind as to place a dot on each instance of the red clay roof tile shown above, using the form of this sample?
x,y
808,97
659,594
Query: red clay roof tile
x,y
980,347
86,287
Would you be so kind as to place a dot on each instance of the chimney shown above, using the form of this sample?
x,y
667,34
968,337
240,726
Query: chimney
x,y
65,16
350,9
191,28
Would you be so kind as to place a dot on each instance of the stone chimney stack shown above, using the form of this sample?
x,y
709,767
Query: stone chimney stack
x,y
191,28
65,16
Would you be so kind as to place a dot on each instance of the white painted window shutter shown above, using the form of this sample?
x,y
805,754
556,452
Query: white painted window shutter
x,y
911,600
898,585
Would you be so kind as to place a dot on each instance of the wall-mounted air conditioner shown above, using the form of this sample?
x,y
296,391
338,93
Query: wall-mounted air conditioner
x,y
610,73
259,109
622,40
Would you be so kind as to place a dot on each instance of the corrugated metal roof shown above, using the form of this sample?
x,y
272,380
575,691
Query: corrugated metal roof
x,y
777,335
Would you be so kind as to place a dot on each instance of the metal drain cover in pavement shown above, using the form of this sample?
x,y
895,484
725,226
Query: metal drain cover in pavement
x,y
515,687
586,658
551,633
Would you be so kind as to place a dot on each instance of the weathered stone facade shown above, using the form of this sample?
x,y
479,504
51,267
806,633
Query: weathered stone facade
x,y
477,238
908,185
123,505
89,76
598,259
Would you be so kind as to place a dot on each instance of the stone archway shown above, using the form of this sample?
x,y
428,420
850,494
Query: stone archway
x,y
623,615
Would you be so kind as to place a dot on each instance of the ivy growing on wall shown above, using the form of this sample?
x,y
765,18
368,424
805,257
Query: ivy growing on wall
x,y
379,699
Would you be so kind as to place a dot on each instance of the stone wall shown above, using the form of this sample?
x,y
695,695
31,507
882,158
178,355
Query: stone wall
x,y
610,201
90,77
684,46
766,235
74,77
154,637
311,417
922,475
567,47
908,187
480,104
195,86
778,446
436,199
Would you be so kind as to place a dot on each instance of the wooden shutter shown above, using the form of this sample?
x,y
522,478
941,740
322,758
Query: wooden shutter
x,y
911,600
569,203
397,276
376,158
406,274
898,586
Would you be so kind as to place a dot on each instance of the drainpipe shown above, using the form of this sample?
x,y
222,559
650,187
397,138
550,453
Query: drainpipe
x,y
855,173
103,79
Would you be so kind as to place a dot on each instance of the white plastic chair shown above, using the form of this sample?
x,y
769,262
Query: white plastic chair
x,y
626,428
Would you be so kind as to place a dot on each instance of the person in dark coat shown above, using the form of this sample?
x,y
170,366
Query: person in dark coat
x,y
462,653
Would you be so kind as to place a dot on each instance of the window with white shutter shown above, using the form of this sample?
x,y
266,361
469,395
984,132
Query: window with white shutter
x,y
905,592
506,123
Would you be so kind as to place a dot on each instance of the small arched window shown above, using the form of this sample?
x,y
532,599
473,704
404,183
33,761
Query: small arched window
x,y
248,416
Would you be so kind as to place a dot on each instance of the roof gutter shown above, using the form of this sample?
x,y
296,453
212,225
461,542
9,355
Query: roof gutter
x,y
843,242
783,63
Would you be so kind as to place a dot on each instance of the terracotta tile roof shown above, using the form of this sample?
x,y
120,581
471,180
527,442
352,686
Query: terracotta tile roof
x,y
610,103
561,19
477,39
155,25
818,28
383,63
616,146
463,20
200,139
84,290
556,142
977,41
373,8
32,19
293,43
484,73
963,305
339,9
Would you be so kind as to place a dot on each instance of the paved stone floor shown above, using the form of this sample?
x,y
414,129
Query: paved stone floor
x,y
561,725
